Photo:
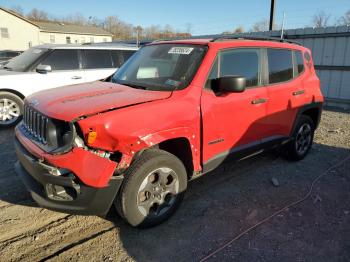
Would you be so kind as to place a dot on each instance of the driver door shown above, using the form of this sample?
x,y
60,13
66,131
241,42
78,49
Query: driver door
x,y
233,121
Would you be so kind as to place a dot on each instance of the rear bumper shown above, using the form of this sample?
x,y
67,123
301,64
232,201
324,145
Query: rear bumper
x,y
65,193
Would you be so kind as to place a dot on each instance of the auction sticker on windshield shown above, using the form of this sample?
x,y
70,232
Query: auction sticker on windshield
x,y
181,50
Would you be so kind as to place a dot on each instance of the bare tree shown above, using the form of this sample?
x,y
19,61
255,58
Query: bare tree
x,y
168,32
239,30
77,19
151,32
321,19
38,15
95,21
17,9
262,25
345,19
111,24
118,28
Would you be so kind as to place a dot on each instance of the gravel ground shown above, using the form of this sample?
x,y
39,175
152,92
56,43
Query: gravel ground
x,y
217,207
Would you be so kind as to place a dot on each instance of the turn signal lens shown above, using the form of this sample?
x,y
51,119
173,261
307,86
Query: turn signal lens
x,y
92,137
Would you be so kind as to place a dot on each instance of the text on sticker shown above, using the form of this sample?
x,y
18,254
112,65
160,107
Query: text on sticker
x,y
180,50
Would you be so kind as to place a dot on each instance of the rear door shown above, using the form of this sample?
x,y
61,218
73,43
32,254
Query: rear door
x,y
97,64
284,89
65,66
232,121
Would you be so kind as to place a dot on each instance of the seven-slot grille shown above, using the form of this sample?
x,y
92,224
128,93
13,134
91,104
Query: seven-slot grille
x,y
35,124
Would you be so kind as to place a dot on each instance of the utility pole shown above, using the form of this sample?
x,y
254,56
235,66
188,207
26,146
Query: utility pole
x,y
272,15
138,32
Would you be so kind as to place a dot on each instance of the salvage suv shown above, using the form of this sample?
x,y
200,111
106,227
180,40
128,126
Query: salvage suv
x,y
173,112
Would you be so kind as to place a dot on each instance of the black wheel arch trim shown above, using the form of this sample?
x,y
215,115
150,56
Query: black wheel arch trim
x,y
303,109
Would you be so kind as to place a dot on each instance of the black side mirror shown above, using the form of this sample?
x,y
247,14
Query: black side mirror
x,y
234,84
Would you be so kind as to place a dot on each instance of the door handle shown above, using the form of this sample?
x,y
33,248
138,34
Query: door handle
x,y
76,77
299,92
259,101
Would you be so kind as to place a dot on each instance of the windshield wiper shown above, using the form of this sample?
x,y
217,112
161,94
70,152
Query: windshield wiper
x,y
137,86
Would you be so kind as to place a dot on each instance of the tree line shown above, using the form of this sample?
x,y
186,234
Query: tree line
x,y
120,29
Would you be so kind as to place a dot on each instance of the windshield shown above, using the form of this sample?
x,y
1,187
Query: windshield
x,y
161,67
24,60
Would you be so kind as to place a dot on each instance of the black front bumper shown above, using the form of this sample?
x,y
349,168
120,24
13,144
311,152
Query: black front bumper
x,y
63,193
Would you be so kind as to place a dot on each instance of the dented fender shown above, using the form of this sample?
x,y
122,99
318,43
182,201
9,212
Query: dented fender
x,y
150,140
131,130
131,144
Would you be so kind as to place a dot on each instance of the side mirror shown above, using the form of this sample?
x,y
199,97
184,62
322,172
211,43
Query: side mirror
x,y
43,69
234,84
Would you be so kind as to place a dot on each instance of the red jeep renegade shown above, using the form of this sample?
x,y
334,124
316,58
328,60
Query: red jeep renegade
x,y
173,112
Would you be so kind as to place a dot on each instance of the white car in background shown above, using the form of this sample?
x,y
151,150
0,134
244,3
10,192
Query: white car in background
x,y
48,66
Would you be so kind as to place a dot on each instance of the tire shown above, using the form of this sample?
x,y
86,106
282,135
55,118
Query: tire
x,y
11,109
153,189
302,139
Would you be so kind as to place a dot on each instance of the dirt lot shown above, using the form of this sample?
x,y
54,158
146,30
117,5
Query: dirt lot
x,y
217,207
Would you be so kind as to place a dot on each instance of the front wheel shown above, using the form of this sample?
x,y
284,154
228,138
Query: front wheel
x,y
11,109
153,188
302,139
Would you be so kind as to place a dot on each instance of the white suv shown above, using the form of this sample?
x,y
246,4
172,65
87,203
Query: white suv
x,y
48,66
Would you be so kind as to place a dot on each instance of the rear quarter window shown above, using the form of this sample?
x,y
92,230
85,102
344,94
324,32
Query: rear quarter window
x,y
280,65
299,61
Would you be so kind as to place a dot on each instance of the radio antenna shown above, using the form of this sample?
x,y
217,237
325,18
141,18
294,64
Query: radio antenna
x,y
283,21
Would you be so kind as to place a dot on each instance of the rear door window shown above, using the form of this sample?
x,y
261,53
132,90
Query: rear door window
x,y
62,59
280,65
95,59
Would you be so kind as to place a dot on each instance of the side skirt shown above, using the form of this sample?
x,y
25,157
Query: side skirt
x,y
242,152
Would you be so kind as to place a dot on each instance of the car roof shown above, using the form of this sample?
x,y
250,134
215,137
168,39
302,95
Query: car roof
x,y
90,46
231,42
197,41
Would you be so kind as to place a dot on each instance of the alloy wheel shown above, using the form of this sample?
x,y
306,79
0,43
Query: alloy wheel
x,y
303,139
157,192
9,111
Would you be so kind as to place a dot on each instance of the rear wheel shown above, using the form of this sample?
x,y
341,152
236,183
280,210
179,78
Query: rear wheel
x,y
153,189
302,140
11,109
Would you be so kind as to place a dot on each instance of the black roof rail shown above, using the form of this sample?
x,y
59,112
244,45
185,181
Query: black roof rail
x,y
262,38
169,39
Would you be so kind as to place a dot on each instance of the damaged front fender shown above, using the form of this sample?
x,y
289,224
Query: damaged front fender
x,y
129,145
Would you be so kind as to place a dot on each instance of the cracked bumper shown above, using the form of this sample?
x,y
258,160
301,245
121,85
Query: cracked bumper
x,y
65,193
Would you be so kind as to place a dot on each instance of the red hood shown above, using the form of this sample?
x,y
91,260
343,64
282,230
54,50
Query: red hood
x,y
70,102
